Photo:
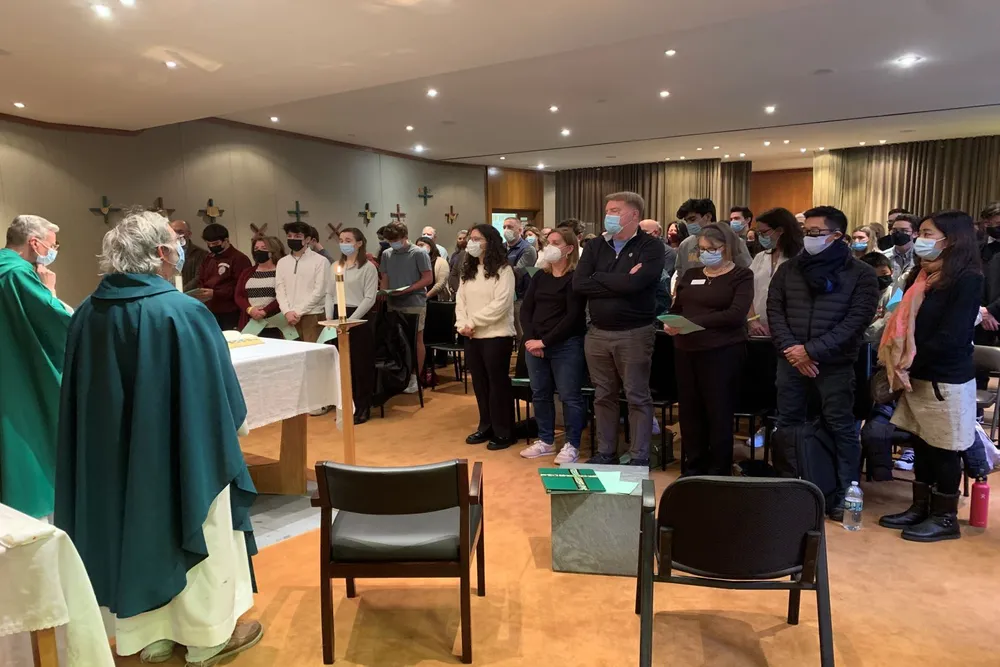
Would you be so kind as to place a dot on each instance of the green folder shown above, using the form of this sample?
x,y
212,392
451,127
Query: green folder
x,y
254,327
531,270
685,325
570,480
329,333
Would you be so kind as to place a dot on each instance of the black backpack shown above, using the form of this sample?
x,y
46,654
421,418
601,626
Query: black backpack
x,y
807,451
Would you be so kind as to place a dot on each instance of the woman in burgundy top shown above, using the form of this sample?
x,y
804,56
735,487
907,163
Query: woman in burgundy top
x,y
255,293
709,363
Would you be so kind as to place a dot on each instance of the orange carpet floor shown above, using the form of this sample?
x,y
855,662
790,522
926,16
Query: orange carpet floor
x,y
894,602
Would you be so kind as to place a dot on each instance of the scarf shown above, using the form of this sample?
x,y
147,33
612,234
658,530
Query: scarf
x,y
897,347
822,270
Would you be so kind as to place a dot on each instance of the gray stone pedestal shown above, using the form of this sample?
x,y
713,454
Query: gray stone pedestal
x,y
597,533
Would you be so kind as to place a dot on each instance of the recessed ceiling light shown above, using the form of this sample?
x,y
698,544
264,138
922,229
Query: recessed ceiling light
x,y
861,143
770,108
432,92
726,155
667,159
682,157
664,93
274,119
128,3
102,11
743,154
170,64
802,150
670,53
767,143
715,148
565,132
699,148
409,128
19,105
419,148
553,108
540,166
787,141
503,157
881,141
822,148
907,60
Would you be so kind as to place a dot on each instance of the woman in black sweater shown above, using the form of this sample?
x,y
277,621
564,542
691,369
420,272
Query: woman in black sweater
x,y
709,363
927,351
554,323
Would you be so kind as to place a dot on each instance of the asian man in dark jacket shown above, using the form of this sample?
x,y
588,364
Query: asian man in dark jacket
x,y
819,305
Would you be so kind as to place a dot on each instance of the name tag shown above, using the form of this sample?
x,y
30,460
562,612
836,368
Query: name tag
x,y
699,281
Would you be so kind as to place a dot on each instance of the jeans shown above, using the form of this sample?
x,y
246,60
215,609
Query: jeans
x,y
560,370
617,358
835,384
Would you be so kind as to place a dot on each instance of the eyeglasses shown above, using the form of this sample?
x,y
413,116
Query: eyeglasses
x,y
816,233
54,246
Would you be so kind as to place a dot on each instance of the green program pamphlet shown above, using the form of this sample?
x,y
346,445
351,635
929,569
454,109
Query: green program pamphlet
x,y
571,480
685,325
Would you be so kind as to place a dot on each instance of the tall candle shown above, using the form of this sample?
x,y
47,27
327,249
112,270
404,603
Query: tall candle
x,y
341,293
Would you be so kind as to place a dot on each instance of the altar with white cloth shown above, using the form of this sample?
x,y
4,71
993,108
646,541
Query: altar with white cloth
x,y
284,381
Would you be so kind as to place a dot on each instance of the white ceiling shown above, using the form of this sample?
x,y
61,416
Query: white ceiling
x,y
357,71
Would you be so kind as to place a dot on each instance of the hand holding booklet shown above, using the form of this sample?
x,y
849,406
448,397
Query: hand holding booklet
x,y
683,324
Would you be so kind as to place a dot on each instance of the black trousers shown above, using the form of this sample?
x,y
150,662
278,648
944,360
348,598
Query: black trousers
x,y
708,385
228,321
938,467
362,360
488,359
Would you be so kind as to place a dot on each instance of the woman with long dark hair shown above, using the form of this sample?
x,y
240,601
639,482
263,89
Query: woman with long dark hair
x,y
779,233
484,315
927,351
677,231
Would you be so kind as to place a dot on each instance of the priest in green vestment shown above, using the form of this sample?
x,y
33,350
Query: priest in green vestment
x,y
33,325
151,483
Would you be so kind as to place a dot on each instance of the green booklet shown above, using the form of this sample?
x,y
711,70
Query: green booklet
x,y
572,480
685,325
278,321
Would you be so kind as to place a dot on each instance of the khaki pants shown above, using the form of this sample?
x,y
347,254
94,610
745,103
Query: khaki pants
x,y
309,328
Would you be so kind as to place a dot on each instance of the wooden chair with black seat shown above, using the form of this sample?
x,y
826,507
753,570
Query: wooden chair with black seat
x,y
411,522
738,533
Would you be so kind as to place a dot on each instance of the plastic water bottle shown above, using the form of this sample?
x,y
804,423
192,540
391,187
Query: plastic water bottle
x,y
854,502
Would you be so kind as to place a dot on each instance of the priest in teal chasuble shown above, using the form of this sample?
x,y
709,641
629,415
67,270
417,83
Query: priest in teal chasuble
x,y
150,480
33,325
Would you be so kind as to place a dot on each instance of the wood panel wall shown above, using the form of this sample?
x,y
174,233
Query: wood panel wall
x,y
516,190
788,188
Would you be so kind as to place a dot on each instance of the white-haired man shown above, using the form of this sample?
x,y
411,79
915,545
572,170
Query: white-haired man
x,y
32,346
152,485
432,234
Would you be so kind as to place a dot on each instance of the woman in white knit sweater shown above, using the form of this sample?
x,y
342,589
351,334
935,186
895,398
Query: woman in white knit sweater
x,y
484,314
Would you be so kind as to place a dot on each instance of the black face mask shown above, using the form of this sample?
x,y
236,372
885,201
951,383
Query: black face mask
x,y
261,256
215,249
295,245
883,282
899,237
994,232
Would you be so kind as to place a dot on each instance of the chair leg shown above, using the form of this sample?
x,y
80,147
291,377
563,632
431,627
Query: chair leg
x,y
638,576
646,607
381,411
466,618
351,592
420,391
794,600
823,609
481,562
326,614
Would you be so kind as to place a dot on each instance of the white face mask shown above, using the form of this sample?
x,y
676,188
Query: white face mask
x,y
552,254
474,248
814,245
510,235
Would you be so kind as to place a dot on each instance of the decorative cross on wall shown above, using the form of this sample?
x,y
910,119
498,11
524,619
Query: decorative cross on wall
x,y
334,230
105,209
450,216
298,212
424,194
211,211
258,232
367,214
398,216
158,207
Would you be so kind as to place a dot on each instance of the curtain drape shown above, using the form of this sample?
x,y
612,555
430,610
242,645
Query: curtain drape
x,y
923,177
664,185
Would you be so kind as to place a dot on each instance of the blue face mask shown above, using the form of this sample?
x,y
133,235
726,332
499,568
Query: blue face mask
x,y
765,241
694,228
737,225
347,249
396,245
47,258
710,257
859,246
927,249
612,224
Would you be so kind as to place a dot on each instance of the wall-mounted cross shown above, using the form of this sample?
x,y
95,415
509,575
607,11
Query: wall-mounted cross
x,y
425,194
334,230
211,211
298,212
258,231
105,209
158,207
367,214
398,216
450,216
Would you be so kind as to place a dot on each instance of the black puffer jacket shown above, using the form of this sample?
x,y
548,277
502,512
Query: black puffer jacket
x,y
829,325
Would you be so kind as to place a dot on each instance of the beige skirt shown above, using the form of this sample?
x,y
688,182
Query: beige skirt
x,y
948,424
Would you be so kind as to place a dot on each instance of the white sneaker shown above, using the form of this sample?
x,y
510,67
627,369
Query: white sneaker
x,y
538,448
905,462
656,427
412,388
321,411
568,454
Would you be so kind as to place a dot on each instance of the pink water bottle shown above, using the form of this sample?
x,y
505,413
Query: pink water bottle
x,y
979,512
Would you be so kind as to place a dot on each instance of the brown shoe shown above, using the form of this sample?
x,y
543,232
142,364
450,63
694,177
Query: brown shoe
x,y
246,635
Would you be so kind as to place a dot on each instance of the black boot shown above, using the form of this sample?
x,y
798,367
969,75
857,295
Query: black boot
x,y
362,416
916,513
942,524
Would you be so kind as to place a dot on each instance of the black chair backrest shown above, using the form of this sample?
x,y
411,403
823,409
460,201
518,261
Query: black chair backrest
x,y
439,329
662,370
407,490
740,527
521,364
758,385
